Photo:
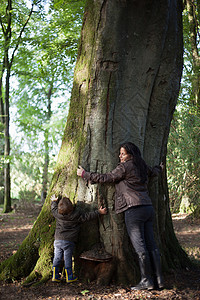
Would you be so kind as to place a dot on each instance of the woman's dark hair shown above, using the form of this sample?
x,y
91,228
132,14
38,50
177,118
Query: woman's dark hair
x,y
137,158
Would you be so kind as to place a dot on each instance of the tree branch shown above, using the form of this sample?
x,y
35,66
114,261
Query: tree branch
x,y
3,29
20,35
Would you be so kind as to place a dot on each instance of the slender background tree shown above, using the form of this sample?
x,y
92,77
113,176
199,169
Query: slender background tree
x,y
13,25
184,141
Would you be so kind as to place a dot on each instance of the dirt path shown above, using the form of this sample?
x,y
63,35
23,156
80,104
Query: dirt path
x,y
14,227
188,233
181,285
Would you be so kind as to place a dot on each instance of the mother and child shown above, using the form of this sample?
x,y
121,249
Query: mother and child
x,y
131,197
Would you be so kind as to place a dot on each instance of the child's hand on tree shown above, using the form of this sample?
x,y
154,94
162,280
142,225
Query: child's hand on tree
x,y
103,211
54,198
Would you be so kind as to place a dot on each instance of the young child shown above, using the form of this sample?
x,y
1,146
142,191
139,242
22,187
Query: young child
x,y
68,220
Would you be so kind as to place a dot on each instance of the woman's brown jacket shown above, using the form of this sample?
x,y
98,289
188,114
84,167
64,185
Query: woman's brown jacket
x,y
129,190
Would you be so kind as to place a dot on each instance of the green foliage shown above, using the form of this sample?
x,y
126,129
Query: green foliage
x,y
183,159
40,93
26,174
184,140
27,195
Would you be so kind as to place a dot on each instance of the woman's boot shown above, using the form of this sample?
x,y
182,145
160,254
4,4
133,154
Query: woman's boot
x,y
146,282
156,264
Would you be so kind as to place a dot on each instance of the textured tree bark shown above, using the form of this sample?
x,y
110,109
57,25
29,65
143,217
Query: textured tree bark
x,y
126,84
131,88
46,147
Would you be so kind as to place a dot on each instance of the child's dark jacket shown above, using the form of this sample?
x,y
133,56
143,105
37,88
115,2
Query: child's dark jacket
x,y
68,226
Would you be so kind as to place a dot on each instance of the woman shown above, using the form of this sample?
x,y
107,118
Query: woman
x,y
131,197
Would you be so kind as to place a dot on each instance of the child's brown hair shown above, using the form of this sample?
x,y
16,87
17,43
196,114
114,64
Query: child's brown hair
x,y
65,206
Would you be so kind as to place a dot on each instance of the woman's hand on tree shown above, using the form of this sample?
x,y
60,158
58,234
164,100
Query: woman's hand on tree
x,y
80,171
162,165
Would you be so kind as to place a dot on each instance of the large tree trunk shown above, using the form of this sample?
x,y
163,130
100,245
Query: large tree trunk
x,y
125,88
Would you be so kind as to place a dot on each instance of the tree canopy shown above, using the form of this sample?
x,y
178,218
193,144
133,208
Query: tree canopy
x,y
41,80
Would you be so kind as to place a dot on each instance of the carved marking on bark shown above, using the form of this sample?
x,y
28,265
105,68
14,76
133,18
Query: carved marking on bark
x,y
107,108
102,12
107,65
132,111
87,150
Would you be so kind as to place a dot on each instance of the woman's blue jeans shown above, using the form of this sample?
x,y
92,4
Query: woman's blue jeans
x,y
62,249
139,224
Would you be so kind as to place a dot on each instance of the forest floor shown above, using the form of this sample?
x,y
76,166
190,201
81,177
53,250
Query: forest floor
x,y
179,284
